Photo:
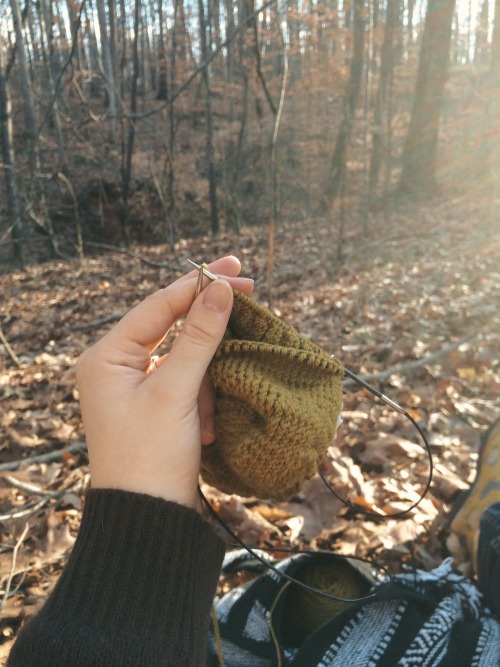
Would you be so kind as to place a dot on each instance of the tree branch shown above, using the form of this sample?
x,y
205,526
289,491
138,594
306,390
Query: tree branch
x,y
13,565
8,349
74,448
412,365
78,23
131,253
112,317
207,62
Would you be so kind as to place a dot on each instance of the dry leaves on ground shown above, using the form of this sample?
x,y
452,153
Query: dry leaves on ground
x,y
428,310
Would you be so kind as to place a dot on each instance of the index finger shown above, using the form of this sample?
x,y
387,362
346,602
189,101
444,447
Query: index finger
x,y
224,266
148,323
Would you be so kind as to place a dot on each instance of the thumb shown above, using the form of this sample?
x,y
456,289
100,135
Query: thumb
x,y
200,336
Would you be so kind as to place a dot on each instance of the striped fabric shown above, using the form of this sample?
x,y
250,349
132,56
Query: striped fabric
x,y
424,619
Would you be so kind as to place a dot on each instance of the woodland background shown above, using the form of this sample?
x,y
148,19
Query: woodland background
x,y
347,151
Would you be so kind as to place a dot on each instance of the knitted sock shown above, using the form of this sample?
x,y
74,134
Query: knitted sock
x,y
278,402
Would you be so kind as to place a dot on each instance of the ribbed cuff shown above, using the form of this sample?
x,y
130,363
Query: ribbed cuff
x,y
142,569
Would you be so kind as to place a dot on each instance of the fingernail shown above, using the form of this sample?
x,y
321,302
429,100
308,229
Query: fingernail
x,y
217,296
247,281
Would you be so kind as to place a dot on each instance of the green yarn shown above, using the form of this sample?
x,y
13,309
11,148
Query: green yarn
x,y
304,611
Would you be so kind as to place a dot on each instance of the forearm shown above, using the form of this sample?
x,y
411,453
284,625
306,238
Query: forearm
x,y
137,589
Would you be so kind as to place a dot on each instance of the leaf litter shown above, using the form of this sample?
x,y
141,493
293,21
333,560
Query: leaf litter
x,y
395,301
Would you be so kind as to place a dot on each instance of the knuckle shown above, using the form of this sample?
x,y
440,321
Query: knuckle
x,y
86,362
198,333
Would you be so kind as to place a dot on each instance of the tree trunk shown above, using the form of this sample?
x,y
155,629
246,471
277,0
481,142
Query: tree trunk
x,y
77,34
32,39
172,128
491,151
93,59
8,166
216,23
108,69
379,151
294,40
162,57
420,149
51,64
30,123
113,42
46,8
230,25
124,58
495,49
411,7
351,101
127,165
212,182
482,27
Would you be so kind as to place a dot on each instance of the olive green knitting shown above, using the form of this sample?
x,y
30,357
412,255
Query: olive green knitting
x,y
278,402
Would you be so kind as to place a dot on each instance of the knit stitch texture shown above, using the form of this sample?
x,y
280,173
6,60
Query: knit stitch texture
x,y
279,398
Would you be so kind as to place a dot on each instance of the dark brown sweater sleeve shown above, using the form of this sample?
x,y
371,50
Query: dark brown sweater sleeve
x,y
137,589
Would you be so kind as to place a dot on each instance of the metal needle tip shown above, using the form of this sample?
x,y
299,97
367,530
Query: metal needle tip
x,y
206,272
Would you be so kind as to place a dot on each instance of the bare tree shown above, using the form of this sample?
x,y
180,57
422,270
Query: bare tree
x,y
51,62
491,143
30,122
113,42
275,207
351,101
129,148
108,68
411,8
495,49
162,56
382,118
17,231
482,29
420,149
205,75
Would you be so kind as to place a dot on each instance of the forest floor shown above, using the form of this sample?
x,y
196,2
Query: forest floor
x,y
413,304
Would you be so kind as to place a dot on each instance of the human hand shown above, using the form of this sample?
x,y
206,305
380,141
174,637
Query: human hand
x,y
144,430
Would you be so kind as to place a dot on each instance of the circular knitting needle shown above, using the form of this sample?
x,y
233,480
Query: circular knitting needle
x,y
203,269
199,284
395,406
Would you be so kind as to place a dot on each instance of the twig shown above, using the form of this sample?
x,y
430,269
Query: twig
x,y
24,486
413,365
260,74
8,349
13,565
112,317
39,565
79,236
34,506
63,70
75,447
26,510
275,217
131,253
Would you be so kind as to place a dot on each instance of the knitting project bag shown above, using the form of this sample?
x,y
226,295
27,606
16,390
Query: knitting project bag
x,y
425,619
278,401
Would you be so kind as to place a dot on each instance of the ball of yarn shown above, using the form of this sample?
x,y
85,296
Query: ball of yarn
x,y
304,611
278,400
